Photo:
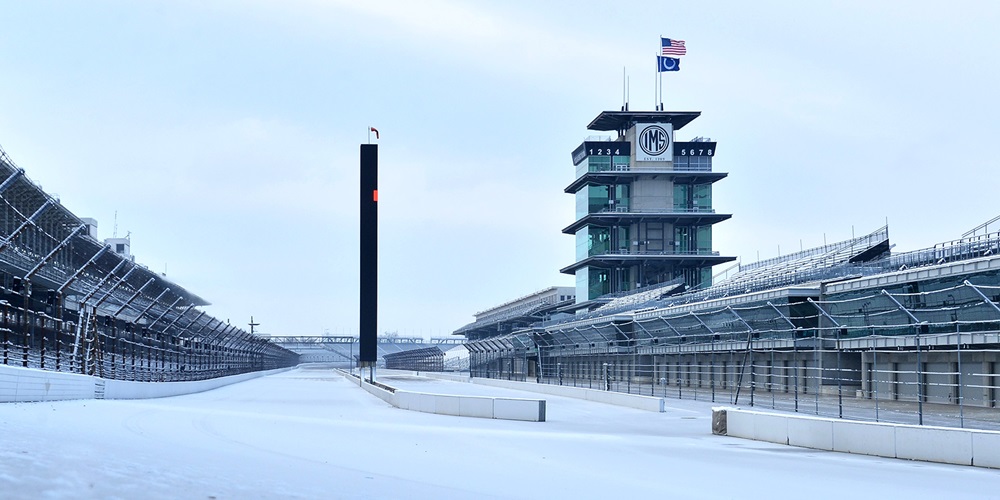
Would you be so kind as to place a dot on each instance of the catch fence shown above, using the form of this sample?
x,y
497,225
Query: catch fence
x,y
115,349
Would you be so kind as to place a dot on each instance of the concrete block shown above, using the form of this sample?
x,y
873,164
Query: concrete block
x,y
934,444
424,402
399,399
402,399
476,407
986,449
865,438
739,423
531,410
770,428
816,433
447,405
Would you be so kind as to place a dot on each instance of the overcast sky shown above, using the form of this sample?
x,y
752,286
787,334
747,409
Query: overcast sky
x,y
225,134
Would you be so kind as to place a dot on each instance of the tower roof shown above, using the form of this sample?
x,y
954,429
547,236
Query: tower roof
x,y
620,120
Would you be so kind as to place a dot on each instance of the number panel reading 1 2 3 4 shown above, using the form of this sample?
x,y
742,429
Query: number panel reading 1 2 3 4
x,y
606,148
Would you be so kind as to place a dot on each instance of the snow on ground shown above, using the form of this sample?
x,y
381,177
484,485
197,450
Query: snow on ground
x,y
310,433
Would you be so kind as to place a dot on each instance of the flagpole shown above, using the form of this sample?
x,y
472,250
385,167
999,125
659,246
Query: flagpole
x,y
659,78
658,81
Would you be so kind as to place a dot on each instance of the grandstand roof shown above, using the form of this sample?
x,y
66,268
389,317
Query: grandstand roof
x,y
49,247
58,223
518,312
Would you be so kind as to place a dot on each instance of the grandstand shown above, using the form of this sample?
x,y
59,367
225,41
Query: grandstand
x,y
343,352
69,302
844,320
519,312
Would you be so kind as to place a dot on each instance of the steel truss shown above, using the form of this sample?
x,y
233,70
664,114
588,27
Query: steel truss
x,y
70,303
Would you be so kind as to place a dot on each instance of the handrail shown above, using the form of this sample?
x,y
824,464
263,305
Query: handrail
x,y
625,251
672,210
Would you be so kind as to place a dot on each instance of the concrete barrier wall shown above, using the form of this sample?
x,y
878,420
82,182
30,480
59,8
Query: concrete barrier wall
x,y
647,403
28,384
387,396
530,410
912,442
123,389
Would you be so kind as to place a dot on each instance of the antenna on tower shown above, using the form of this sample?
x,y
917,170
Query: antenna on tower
x,y
623,89
114,233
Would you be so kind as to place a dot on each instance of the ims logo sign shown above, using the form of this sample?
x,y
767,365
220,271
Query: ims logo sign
x,y
654,142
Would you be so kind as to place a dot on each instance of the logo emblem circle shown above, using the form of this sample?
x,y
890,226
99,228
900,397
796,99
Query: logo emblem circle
x,y
654,140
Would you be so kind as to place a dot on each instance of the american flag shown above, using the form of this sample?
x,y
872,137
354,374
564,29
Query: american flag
x,y
673,47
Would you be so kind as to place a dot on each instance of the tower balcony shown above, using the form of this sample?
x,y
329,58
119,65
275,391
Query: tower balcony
x,y
693,216
625,257
628,175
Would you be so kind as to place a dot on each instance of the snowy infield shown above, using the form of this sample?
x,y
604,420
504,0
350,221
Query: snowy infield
x,y
310,433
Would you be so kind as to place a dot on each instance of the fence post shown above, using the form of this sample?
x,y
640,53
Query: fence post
x,y
711,365
958,388
923,328
795,364
840,376
875,376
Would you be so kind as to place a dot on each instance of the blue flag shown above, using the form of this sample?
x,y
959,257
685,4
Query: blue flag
x,y
667,64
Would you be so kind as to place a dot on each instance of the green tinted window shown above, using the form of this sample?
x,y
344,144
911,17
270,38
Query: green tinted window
x,y
704,238
599,163
598,199
599,282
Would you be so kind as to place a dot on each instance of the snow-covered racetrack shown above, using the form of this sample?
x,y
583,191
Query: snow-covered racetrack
x,y
310,433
